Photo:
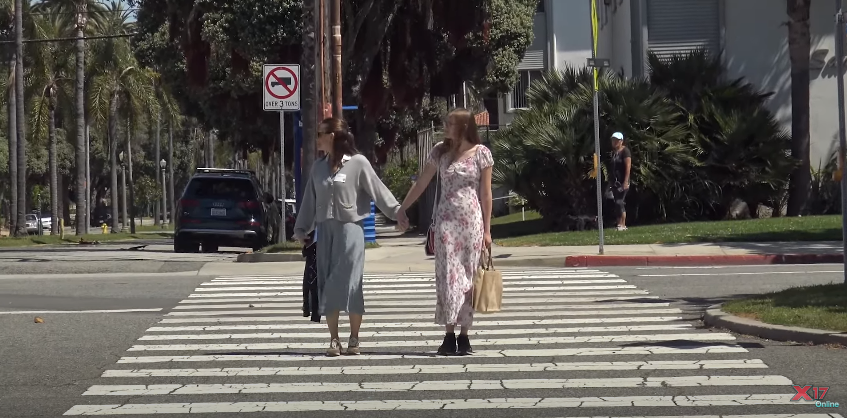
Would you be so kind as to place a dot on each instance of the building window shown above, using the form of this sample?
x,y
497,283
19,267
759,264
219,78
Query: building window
x,y
517,98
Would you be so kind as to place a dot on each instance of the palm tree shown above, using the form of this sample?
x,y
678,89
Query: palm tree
x,y
81,10
50,76
8,16
20,117
169,110
799,50
119,88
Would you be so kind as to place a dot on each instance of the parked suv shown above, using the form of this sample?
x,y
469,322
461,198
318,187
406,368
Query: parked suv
x,y
225,207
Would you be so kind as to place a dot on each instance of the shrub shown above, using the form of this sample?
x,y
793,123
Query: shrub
x,y
698,141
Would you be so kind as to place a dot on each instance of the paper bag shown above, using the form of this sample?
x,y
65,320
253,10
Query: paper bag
x,y
487,288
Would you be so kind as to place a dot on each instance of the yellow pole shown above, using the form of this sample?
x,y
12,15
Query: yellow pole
x,y
594,38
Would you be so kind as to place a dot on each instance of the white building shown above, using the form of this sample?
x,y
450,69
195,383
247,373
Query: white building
x,y
751,33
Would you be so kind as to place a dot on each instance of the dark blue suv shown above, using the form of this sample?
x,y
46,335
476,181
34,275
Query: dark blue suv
x,y
225,207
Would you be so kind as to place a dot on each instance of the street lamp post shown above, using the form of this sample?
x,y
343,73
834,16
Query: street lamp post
x,y
163,165
124,217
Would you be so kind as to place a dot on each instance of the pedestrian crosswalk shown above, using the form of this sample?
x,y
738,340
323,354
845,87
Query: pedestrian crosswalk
x,y
569,342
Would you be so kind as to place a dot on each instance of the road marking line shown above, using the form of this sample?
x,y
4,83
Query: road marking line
x,y
538,303
399,294
510,272
508,353
424,284
394,334
81,312
392,313
739,399
283,319
435,385
427,301
428,307
407,290
441,369
481,343
372,324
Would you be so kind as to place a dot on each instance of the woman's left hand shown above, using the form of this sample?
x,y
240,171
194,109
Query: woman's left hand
x,y
487,240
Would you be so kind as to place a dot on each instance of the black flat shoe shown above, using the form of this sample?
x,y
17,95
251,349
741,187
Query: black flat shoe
x,y
464,345
448,347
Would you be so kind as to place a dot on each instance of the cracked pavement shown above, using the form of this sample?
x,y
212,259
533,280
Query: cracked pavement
x,y
563,346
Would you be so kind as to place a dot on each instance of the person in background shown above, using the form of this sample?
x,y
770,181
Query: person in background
x,y
621,169
336,199
462,223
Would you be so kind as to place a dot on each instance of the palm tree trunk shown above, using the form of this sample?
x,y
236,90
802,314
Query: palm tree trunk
x,y
171,162
129,173
13,153
309,80
799,50
158,152
82,210
54,174
113,157
20,117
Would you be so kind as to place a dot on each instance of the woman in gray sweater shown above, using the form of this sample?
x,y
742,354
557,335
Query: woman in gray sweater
x,y
336,199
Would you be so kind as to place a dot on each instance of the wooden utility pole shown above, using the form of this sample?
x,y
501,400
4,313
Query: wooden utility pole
x,y
336,59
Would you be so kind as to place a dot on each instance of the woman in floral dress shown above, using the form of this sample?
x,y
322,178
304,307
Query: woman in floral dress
x,y
462,223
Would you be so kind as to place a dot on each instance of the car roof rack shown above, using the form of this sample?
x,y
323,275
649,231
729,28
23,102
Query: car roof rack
x,y
211,170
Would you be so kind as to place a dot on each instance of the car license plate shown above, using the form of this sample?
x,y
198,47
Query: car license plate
x,y
218,212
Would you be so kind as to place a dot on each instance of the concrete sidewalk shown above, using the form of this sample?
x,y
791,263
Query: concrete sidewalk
x,y
406,253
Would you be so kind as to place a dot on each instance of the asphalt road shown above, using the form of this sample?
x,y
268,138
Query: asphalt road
x,y
135,257
630,346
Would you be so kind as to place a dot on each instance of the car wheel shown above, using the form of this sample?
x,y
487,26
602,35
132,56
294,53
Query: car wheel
x,y
210,247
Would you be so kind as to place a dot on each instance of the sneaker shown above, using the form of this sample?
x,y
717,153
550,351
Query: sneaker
x,y
334,349
448,347
621,228
353,347
463,345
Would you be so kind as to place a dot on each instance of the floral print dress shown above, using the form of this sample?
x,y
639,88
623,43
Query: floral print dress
x,y
458,234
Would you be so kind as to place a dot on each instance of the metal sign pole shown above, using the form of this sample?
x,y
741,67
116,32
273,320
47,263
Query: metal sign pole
x,y
282,236
594,63
842,137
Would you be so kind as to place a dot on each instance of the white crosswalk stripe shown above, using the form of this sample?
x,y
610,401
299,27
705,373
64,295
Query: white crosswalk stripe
x,y
568,342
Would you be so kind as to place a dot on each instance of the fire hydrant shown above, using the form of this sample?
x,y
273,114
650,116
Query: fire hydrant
x,y
104,228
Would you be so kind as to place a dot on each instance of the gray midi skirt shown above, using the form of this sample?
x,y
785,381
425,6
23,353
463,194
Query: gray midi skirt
x,y
341,267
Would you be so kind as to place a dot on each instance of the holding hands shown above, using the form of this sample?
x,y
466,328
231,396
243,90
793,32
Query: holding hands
x,y
402,220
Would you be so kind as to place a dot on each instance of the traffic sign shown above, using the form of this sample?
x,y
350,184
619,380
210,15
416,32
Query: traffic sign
x,y
281,87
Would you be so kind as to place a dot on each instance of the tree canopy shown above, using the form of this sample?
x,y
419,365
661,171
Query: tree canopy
x,y
397,54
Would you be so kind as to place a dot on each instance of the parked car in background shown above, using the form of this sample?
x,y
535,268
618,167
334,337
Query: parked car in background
x,y
225,207
46,221
32,222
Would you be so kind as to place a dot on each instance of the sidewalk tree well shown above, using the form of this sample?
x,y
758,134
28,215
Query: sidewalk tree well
x,y
695,149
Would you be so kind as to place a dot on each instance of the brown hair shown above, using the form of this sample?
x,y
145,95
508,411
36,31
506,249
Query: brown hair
x,y
342,140
466,128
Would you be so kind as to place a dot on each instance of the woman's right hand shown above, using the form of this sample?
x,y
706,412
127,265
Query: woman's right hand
x,y
402,220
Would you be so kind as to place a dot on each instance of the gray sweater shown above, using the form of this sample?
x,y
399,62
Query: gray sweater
x,y
345,197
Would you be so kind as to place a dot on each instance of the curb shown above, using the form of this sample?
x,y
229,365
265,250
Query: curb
x,y
715,317
269,258
700,260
